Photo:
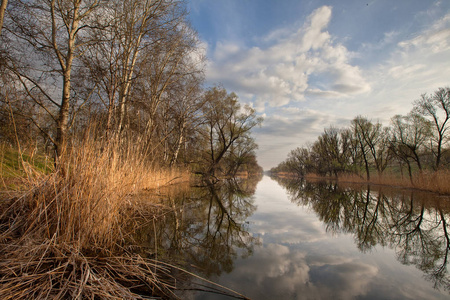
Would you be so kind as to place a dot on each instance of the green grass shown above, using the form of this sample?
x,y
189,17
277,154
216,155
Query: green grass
x,y
11,162
15,166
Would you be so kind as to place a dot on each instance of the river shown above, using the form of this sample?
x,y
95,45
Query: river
x,y
301,240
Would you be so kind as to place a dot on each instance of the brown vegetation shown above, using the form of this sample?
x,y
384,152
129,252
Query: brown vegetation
x,y
431,181
66,236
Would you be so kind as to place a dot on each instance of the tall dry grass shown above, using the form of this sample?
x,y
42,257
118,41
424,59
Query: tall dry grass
x,y
66,235
433,181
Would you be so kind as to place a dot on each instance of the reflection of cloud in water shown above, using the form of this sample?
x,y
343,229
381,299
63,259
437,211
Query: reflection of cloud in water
x,y
342,281
280,261
278,272
299,259
291,228
285,221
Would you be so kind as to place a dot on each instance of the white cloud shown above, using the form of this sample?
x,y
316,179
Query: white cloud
x,y
436,41
279,272
307,68
401,71
417,65
286,128
283,71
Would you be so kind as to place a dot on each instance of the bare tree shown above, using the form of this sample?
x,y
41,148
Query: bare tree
x,y
409,135
47,36
143,25
373,143
144,41
437,108
168,81
360,128
241,154
225,122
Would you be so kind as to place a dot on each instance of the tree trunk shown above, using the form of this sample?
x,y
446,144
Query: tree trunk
x,y
63,120
2,13
66,66
409,171
179,144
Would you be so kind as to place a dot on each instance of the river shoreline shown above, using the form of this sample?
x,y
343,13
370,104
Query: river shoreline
x,y
433,182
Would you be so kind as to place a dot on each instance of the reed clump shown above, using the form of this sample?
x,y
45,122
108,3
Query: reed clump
x,y
438,181
66,235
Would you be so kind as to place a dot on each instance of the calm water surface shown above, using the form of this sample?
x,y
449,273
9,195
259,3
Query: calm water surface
x,y
297,240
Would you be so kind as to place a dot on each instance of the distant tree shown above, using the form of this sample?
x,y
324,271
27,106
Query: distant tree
x,y
436,107
409,135
299,161
332,150
372,141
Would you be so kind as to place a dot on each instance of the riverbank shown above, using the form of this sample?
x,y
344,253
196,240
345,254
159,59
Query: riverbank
x,y
68,232
436,182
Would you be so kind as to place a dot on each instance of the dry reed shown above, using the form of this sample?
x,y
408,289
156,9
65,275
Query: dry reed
x,y
437,182
65,236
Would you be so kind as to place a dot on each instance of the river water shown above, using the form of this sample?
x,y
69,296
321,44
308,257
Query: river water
x,y
300,240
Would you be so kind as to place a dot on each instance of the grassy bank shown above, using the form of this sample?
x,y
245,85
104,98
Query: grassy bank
x,y
66,234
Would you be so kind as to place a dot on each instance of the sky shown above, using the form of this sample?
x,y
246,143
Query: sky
x,y
308,65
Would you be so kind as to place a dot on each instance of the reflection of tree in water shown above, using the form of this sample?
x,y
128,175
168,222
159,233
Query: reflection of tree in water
x,y
206,226
417,228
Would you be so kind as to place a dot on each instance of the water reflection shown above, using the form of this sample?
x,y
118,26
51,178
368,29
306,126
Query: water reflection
x,y
205,226
415,224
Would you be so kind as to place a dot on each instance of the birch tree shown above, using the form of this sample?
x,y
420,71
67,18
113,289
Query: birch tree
x,y
47,35
143,24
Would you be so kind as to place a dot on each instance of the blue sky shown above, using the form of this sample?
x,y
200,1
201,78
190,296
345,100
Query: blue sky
x,y
306,65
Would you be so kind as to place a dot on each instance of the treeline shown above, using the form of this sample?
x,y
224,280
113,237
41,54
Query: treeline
x,y
129,70
415,142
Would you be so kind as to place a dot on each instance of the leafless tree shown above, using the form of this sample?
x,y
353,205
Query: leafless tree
x,y
372,142
437,108
409,136
225,122
47,35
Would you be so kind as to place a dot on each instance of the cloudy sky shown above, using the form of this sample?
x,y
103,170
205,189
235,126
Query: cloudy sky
x,y
307,64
